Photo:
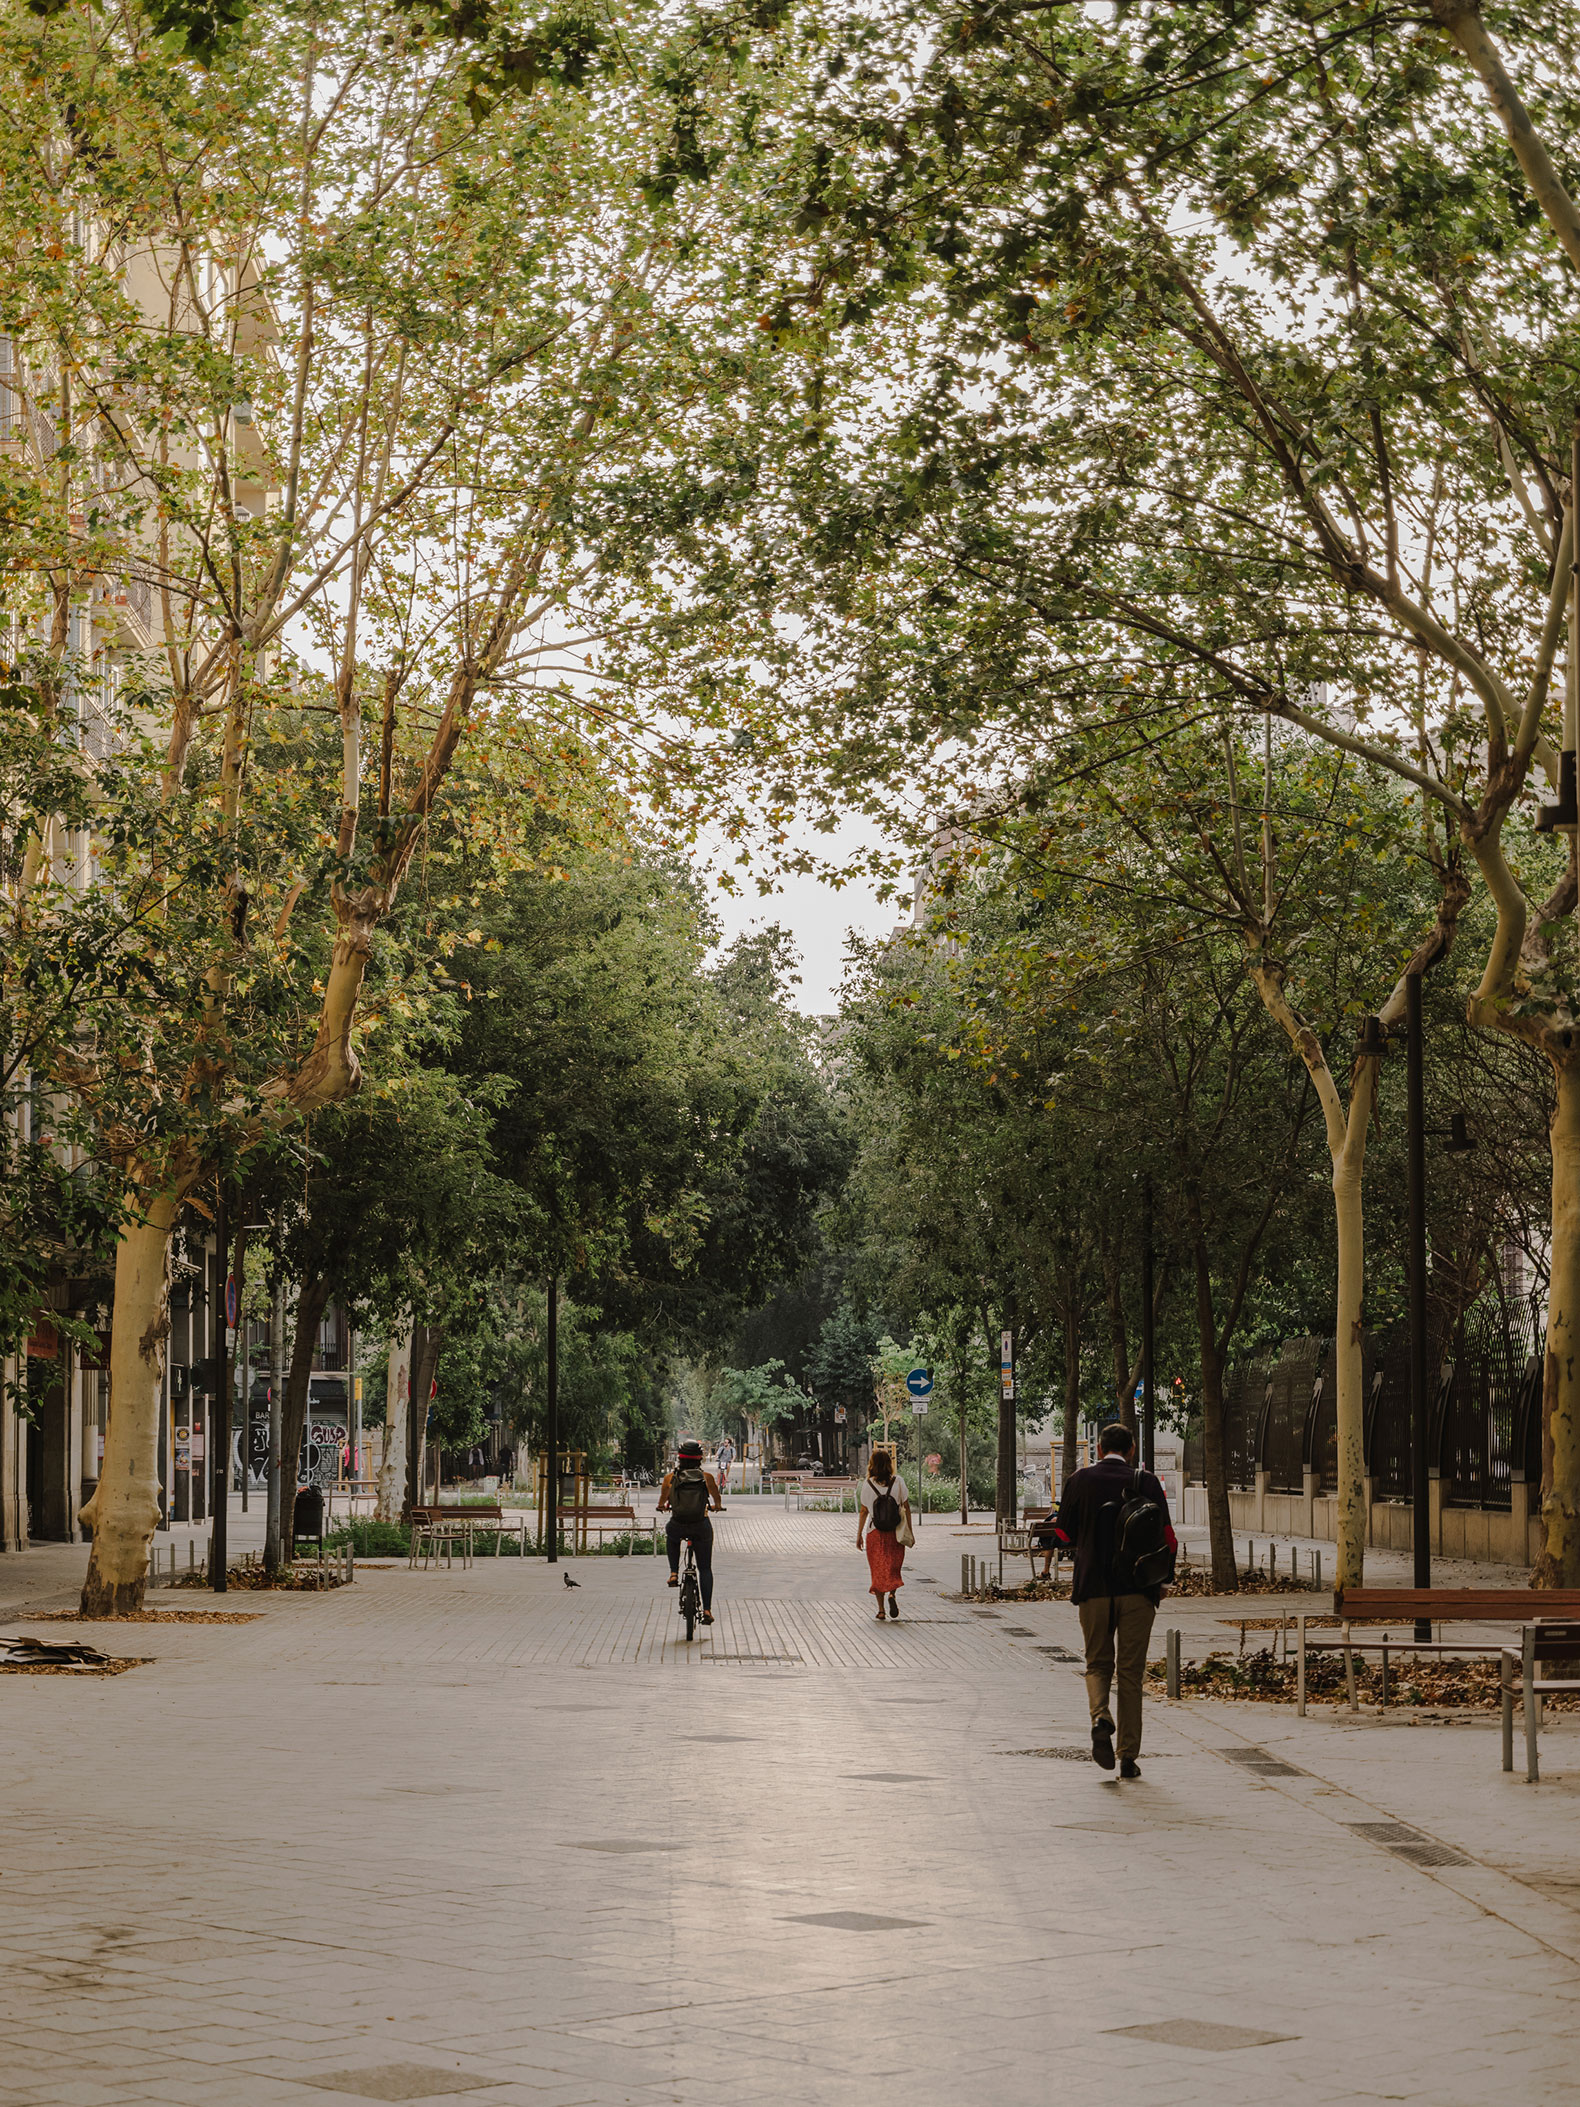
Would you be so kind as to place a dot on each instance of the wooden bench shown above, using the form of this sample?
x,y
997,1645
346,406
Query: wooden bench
x,y
577,1521
435,1531
816,1489
1425,1605
1022,1541
802,1486
1540,1646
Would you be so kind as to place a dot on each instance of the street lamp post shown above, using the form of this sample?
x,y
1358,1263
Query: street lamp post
x,y
551,1491
1415,1123
219,1415
1148,1340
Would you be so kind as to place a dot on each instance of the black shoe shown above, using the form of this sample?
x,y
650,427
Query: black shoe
x,y
1129,1767
1103,1743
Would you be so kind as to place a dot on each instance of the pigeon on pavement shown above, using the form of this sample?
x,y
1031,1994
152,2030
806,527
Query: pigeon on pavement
x,y
569,1582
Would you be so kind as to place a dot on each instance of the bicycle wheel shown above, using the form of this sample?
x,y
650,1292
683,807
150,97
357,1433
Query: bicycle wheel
x,y
691,1620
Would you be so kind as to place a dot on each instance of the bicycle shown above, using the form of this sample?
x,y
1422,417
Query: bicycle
x,y
690,1591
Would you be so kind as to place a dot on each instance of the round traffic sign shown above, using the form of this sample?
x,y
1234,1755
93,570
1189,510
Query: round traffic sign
x,y
920,1382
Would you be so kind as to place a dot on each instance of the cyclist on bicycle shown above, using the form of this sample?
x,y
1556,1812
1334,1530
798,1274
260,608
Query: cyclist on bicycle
x,y
688,1491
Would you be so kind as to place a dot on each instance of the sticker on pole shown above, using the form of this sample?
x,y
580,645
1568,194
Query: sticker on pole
x,y
920,1384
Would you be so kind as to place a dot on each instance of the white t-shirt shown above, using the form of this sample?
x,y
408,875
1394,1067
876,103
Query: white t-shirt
x,y
869,1492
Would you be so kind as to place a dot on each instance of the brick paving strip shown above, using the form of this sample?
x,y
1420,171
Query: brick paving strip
x,y
472,1833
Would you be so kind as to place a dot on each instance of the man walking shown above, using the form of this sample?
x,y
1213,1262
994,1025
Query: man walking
x,y
1116,1519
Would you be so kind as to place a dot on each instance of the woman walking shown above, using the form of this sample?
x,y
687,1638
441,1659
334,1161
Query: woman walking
x,y
884,1521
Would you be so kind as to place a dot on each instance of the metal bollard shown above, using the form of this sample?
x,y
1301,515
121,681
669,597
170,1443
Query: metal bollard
x,y
1318,1556
1171,1643
191,1554
1300,1674
965,1574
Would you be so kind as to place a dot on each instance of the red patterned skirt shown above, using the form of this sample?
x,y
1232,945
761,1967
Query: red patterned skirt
x,y
885,1556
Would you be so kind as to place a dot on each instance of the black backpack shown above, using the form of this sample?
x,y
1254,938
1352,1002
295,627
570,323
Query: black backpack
x,y
688,1494
885,1511
1139,1557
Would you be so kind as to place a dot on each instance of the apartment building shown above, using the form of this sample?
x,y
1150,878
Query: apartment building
x,y
118,623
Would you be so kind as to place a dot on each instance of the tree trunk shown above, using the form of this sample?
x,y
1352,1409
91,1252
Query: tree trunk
x,y
293,1412
1348,1366
397,1406
1559,1563
1215,1458
426,1340
1072,1388
1124,1389
965,1460
124,1510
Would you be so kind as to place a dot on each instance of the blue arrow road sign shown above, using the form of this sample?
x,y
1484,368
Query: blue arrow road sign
x,y
919,1382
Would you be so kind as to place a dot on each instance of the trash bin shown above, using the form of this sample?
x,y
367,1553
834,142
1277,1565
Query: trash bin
x,y
308,1521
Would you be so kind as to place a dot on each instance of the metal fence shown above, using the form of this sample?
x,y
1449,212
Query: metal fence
x,y
1484,1417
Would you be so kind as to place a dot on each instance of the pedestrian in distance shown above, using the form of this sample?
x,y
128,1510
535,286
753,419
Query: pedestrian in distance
x,y
723,1464
688,1491
1115,1518
885,1522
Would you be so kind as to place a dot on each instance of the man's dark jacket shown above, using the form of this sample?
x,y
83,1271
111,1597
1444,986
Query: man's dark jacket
x,y
1107,1481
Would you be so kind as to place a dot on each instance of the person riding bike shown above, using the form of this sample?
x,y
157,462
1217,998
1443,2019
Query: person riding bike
x,y
688,1491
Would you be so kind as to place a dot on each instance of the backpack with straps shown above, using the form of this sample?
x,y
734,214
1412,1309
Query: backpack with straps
x,y
885,1510
1139,1558
688,1495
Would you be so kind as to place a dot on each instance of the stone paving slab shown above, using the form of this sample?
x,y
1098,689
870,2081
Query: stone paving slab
x,y
353,1836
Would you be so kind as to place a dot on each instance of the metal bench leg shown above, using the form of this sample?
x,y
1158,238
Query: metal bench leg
x,y
1349,1670
1528,1679
1506,1691
1300,1674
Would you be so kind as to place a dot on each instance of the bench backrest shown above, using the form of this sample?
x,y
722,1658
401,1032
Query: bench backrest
x,y
1459,1605
1556,1641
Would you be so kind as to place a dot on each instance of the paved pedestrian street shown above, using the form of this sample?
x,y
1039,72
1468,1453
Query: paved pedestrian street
x,y
475,1832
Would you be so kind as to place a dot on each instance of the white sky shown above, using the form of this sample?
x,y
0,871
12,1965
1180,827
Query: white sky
x,y
816,916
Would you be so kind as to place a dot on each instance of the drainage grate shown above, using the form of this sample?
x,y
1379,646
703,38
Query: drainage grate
x,y
755,1660
1386,1832
1430,1855
1019,1631
1070,1755
1059,1653
1262,1762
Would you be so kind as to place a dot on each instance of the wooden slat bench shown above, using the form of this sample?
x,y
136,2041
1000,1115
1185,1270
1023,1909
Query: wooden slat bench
x,y
436,1531
1540,1646
1021,1542
1425,1605
576,1521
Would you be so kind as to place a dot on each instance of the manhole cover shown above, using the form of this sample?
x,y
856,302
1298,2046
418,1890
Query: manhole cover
x,y
398,2081
1200,2033
1068,1755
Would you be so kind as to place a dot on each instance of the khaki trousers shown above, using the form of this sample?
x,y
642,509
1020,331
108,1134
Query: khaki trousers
x,y
1117,1625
